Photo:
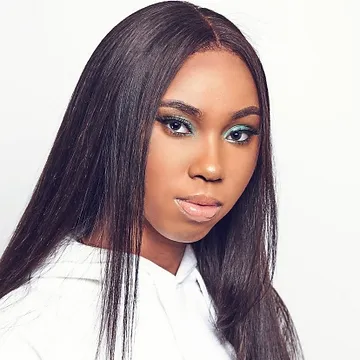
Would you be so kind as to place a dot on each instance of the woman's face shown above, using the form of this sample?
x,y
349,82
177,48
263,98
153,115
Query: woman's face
x,y
203,148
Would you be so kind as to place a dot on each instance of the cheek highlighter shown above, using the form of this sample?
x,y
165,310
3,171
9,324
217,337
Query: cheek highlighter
x,y
196,212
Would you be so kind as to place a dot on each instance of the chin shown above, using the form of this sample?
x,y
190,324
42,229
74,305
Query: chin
x,y
188,236
180,234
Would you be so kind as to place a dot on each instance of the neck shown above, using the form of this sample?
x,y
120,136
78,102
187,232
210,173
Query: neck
x,y
154,247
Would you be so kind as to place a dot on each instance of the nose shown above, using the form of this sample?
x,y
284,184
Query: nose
x,y
206,162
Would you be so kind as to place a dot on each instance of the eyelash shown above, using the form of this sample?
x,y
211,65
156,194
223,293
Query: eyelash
x,y
166,120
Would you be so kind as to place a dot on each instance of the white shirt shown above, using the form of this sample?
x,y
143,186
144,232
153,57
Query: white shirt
x,y
57,315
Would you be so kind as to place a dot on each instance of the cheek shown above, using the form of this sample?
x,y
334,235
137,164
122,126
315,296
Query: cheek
x,y
166,165
165,170
166,177
240,172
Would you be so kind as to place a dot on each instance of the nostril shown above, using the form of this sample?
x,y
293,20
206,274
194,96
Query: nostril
x,y
211,179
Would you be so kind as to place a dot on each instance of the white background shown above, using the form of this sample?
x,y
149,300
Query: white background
x,y
310,52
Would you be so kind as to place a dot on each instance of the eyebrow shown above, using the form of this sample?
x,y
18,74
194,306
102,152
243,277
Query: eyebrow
x,y
193,111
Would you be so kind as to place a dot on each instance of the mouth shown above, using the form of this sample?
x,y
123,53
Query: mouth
x,y
199,208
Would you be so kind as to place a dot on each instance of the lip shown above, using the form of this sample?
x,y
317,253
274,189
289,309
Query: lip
x,y
199,208
202,199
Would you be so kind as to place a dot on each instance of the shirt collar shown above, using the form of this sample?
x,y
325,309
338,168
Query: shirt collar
x,y
75,260
160,275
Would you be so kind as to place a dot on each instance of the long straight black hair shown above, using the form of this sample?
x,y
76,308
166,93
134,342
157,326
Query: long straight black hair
x,y
94,179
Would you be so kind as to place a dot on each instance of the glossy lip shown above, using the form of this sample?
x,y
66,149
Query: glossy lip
x,y
204,208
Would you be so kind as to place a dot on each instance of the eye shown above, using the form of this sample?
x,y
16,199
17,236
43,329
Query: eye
x,y
240,134
176,126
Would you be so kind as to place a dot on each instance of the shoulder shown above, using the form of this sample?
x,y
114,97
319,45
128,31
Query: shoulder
x,y
17,312
13,346
52,318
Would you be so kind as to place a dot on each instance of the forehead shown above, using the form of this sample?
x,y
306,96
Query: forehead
x,y
214,81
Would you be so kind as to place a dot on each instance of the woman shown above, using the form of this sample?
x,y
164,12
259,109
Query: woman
x,y
158,200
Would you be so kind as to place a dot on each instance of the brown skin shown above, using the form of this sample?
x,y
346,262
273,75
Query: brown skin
x,y
207,161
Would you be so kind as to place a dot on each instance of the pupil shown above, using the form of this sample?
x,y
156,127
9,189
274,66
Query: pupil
x,y
175,125
236,135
